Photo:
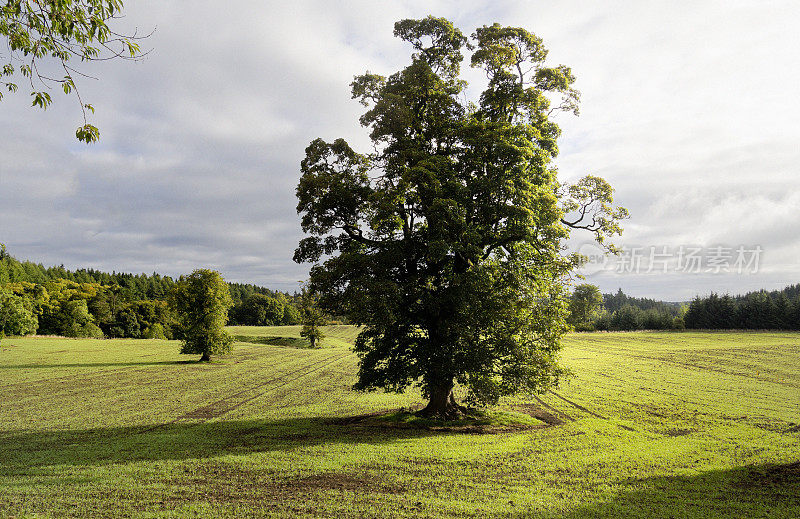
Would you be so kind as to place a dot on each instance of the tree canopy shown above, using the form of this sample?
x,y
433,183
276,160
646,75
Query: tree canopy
x,y
446,242
45,37
584,305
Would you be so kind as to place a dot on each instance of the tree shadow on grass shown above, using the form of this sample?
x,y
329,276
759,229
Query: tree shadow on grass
x,y
25,452
767,490
292,342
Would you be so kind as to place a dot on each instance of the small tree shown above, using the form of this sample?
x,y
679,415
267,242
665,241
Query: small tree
x,y
201,301
584,305
312,319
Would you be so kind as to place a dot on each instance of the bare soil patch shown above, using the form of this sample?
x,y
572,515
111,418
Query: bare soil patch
x,y
540,414
339,481
672,433
227,483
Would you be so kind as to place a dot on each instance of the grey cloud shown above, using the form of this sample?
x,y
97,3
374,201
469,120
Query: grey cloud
x,y
693,122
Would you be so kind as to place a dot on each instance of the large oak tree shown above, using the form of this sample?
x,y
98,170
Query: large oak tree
x,y
446,243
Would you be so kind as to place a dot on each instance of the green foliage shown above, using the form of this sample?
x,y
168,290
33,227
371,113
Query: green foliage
x,y
155,331
593,196
253,311
126,324
620,312
201,302
654,320
613,302
603,322
74,320
626,318
631,317
259,310
63,307
778,310
57,31
312,318
16,315
121,287
121,304
584,305
291,315
446,242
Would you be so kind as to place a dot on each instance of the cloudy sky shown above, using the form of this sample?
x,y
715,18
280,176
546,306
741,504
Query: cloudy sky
x,y
690,109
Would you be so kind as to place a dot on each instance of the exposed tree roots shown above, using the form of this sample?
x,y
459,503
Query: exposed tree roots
x,y
445,409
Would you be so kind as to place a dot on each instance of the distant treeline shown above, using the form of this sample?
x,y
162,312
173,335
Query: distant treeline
x,y
614,302
624,313
91,303
762,310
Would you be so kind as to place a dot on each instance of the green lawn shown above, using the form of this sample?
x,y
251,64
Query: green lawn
x,y
651,425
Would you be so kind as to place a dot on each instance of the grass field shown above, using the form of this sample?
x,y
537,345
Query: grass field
x,y
651,425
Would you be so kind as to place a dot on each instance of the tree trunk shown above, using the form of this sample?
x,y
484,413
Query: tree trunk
x,y
442,404
206,357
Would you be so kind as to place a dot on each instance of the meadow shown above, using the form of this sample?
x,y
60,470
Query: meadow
x,y
678,425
